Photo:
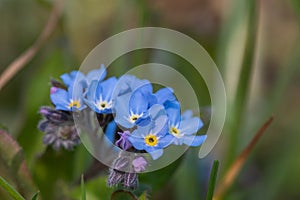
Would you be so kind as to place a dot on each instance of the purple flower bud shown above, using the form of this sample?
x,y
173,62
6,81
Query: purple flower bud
x,y
139,164
53,89
115,177
56,116
130,180
123,142
58,84
121,163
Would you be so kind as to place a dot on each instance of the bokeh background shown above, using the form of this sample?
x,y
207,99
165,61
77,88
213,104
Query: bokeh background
x,y
256,49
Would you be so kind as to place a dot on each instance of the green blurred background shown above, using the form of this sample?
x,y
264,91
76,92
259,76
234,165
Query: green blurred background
x,y
255,44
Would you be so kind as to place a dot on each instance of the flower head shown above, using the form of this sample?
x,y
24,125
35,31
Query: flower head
x,y
183,128
99,95
153,137
68,100
59,129
61,136
132,108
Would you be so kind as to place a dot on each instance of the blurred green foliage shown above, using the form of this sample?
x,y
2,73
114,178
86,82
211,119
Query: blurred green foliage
x,y
269,86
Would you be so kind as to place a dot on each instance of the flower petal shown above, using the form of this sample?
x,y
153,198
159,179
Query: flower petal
x,y
91,92
156,154
137,142
75,91
188,114
194,140
159,119
173,112
121,109
165,141
110,131
60,99
165,94
138,103
108,88
190,126
96,74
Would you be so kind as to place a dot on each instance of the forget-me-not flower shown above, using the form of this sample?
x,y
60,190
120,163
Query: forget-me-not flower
x,y
183,128
132,108
99,95
153,138
68,100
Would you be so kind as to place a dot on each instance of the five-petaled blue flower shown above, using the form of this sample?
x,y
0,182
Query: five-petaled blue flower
x,y
154,137
132,108
183,128
68,100
99,95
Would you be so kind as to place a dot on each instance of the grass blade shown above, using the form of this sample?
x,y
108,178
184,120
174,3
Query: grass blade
x,y
243,87
232,173
83,193
11,191
35,196
212,180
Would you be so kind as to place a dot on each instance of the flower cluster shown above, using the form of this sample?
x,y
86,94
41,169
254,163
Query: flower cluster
x,y
148,121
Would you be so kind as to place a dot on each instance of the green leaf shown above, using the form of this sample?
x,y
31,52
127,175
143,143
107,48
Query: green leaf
x,y
12,192
35,196
83,195
13,166
212,180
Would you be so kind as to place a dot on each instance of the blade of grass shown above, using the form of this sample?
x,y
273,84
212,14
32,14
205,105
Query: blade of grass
x,y
35,196
212,180
241,95
83,194
11,191
236,166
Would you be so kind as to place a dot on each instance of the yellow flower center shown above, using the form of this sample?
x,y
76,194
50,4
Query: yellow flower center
x,y
74,103
151,140
133,118
174,131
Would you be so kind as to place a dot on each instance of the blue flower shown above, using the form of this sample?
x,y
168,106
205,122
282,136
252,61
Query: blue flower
x,y
183,128
132,108
128,83
99,95
80,78
152,138
70,100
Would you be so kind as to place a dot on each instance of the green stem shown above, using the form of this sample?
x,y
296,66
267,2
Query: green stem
x,y
212,180
83,194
